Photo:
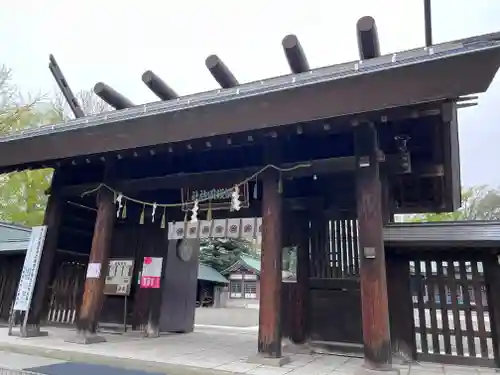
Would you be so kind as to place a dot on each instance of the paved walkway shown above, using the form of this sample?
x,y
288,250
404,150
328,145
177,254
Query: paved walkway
x,y
210,350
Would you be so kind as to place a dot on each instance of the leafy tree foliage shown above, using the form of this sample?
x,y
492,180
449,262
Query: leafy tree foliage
x,y
478,203
221,253
22,194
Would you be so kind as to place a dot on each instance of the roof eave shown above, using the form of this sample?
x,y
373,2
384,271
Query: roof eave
x,y
437,78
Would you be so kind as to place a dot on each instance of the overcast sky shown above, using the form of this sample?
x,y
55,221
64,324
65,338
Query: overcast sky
x,y
115,41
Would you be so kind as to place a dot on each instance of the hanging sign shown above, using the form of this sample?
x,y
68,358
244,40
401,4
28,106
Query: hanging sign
x,y
248,228
214,199
30,269
93,270
151,272
119,277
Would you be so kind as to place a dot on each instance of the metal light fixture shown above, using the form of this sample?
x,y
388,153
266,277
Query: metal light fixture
x,y
403,154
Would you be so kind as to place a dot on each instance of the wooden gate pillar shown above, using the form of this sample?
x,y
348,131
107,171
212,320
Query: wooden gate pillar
x,y
375,310
269,339
52,219
93,295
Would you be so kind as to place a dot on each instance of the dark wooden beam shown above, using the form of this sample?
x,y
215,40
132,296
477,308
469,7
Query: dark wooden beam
x,y
64,87
221,72
111,96
99,255
368,42
231,176
52,219
158,86
269,339
428,23
295,55
375,310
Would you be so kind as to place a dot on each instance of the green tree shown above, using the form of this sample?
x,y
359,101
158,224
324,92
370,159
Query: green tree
x,y
22,194
478,203
221,253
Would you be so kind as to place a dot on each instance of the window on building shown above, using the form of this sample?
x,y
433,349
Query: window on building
x,y
235,289
250,289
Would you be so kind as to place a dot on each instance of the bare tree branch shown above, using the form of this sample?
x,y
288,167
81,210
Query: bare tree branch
x,y
90,103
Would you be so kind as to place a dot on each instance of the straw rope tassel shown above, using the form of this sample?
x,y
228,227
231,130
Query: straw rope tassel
x,y
141,220
163,218
280,184
124,211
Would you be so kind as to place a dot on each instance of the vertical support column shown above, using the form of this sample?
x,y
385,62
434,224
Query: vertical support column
x,y
387,209
93,295
269,339
492,279
375,309
401,306
155,295
301,318
52,219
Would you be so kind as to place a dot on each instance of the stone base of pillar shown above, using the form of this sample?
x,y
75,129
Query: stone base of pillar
x,y
261,359
85,338
381,371
293,348
32,331
152,331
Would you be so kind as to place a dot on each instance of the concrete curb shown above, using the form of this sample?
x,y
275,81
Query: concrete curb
x,y
119,362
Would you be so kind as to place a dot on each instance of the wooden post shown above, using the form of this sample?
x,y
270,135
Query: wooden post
x,y
269,340
492,280
375,310
155,295
52,219
401,306
93,296
387,209
301,318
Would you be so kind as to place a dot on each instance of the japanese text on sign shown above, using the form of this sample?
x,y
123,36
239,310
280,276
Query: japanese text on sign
x,y
30,269
151,272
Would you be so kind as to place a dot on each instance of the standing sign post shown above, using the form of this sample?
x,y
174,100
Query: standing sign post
x,y
118,282
151,272
29,274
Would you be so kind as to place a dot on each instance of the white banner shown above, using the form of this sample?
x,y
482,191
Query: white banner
x,y
248,228
30,269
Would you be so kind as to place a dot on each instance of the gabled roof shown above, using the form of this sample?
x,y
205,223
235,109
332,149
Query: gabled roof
x,y
246,261
14,237
394,80
207,273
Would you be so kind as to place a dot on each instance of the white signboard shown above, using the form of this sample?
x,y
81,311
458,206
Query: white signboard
x,y
30,269
119,277
151,272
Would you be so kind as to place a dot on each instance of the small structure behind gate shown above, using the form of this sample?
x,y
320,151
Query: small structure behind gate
x,y
441,285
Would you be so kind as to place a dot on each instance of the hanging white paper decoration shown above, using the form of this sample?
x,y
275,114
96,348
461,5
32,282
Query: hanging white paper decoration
x,y
194,212
154,212
119,200
235,199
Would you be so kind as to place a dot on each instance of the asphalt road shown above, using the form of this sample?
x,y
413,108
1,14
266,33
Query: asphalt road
x,y
75,368
47,366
